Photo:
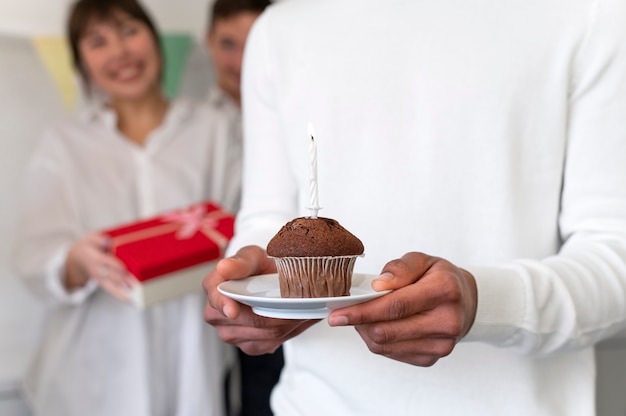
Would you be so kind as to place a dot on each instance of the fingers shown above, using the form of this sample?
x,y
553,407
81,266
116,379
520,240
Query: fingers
x,y
90,258
404,271
112,276
226,269
406,301
99,240
115,289
252,333
104,267
249,261
418,340
417,300
421,283
254,347
423,352
440,322
236,323
431,308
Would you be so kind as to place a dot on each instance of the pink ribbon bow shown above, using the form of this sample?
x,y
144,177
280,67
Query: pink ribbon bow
x,y
196,219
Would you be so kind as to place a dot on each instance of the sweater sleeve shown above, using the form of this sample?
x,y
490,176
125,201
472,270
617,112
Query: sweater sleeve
x,y
270,192
577,297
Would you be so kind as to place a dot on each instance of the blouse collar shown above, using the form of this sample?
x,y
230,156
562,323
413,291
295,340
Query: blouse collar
x,y
178,111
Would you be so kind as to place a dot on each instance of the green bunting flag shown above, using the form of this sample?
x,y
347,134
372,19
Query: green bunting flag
x,y
176,48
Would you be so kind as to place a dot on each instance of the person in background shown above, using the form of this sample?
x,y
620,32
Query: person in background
x,y
132,154
229,24
477,149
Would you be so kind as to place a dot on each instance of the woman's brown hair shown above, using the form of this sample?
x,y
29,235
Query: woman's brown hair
x,y
83,12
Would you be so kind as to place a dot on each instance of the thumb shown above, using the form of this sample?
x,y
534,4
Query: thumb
x,y
388,281
404,271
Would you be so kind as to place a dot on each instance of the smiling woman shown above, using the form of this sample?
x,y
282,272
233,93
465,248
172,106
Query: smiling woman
x,y
131,154
115,48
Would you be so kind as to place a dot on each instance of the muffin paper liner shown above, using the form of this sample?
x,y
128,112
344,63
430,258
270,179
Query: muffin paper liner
x,y
315,277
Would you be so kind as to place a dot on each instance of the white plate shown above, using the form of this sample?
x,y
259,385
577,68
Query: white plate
x,y
262,293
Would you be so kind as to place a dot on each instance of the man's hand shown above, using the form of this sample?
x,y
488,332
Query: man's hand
x,y
432,307
236,323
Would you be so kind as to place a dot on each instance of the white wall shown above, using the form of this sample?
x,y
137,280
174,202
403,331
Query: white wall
x,y
47,17
27,101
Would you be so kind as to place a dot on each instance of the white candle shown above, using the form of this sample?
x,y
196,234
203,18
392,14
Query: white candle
x,y
314,207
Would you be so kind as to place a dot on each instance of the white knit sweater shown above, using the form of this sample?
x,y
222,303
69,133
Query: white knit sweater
x,y
490,133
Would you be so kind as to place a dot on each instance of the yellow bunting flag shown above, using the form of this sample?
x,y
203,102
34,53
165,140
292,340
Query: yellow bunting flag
x,y
55,54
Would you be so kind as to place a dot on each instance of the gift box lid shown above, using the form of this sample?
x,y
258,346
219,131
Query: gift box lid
x,y
174,240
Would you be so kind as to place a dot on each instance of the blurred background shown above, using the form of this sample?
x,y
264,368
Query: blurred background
x,y
37,86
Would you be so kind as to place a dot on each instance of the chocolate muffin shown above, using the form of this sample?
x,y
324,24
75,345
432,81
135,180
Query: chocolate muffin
x,y
315,257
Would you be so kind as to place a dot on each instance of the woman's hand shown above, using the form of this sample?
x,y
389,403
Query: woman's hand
x,y
91,258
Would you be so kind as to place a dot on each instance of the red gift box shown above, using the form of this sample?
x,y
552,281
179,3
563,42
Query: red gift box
x,y
166,248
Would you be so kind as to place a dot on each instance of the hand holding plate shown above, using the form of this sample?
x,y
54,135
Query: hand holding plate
x,y
432,307
236,323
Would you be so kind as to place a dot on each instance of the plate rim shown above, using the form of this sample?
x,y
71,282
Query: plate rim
x,y
301,304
